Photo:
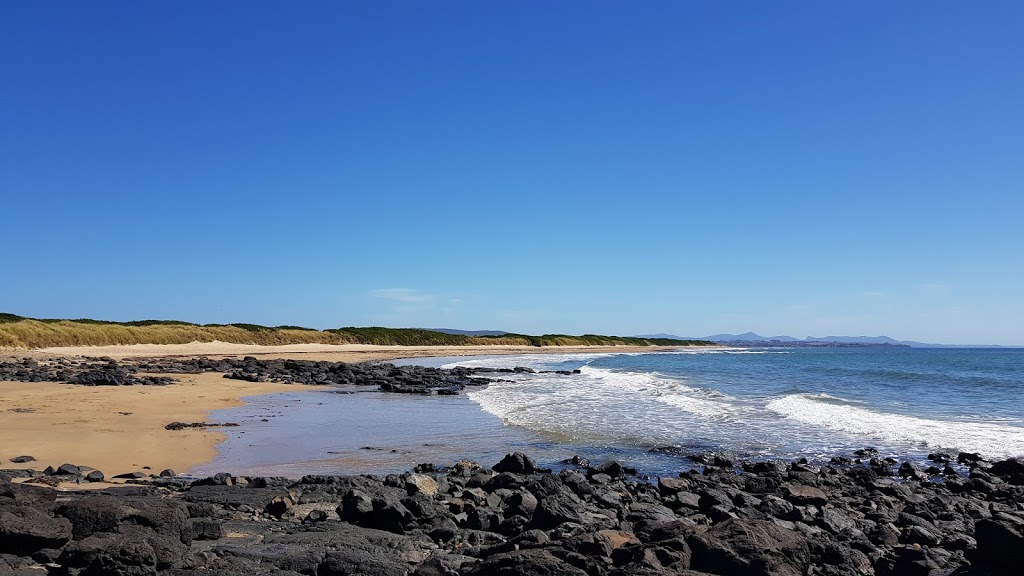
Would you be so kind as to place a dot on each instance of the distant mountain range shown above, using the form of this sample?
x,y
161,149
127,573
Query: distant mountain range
x,y
751,337
748,338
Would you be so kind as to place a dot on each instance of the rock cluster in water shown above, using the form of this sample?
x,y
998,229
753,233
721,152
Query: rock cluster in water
x,y
762,518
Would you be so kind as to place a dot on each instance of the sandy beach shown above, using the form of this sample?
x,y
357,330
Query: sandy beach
x,y
329,352
117,429
120,429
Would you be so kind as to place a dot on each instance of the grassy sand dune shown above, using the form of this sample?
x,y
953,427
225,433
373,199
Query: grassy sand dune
x,y
30,333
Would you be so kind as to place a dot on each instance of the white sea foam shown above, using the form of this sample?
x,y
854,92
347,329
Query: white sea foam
x,y
536,361
601,403
711,409
833,413
643,382
671,391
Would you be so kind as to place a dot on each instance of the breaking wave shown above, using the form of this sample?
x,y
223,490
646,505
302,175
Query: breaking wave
x,y
840,415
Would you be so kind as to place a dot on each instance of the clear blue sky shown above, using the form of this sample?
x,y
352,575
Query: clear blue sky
x,y
688,167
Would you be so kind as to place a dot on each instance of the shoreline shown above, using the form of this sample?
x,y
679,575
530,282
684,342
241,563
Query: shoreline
x,y
120,429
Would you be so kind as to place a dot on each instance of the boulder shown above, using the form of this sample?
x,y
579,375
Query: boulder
x,y
389,515
554,510
24,530
612,469
803,495
516,463
533,562
749,548
93,514
206,529
1007,467
101,377
115,554
521,503
420,484
969,458
1000,544
668,486
67,470
293,559
356,507
641,513
346,561
167,518
316,515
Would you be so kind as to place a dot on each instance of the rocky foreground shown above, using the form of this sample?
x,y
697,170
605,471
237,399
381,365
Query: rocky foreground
x,y
751,519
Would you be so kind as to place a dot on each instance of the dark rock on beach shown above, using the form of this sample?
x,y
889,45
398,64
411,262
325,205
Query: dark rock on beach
x,y
385,377
186,425
764,518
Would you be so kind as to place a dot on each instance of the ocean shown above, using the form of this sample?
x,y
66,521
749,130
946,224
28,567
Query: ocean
x,y
651,411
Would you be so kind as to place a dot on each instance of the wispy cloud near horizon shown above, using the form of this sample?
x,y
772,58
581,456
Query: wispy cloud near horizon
x,y
403,295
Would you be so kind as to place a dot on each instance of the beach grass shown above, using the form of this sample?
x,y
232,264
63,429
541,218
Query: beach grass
x,y
20,332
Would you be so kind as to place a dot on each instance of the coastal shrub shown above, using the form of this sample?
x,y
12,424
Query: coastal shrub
x,y
251,327
404,336
157,323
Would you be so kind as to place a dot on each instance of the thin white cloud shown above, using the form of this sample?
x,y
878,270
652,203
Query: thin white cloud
x,y
404,295
519,314
874,294
934,287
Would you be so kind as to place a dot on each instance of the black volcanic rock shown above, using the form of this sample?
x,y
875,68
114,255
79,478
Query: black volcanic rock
x,y
387,377
772,518
25,530
516,463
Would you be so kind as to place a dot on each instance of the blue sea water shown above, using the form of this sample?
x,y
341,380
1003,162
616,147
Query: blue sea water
x,y
781,403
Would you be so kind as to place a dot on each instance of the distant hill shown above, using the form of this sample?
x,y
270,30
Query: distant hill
x,y
855,339
746,336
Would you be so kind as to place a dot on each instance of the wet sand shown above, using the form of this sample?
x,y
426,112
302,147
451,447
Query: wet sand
x,y
117,429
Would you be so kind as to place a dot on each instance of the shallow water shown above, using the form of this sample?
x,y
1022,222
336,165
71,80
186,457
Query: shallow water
x,y
767,403
324,432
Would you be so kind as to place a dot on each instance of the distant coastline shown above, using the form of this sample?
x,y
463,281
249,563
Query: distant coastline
x,y
754,340
808,344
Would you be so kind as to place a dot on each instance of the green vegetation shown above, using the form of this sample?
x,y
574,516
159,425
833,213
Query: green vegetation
x,y
402,337
19,332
